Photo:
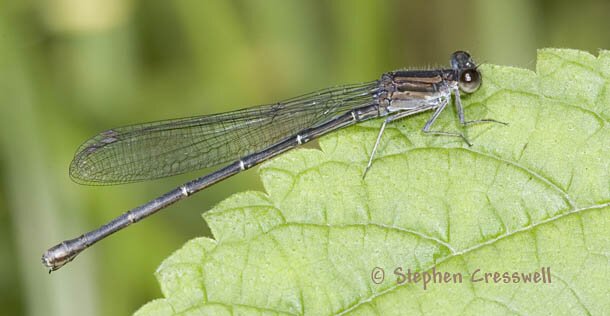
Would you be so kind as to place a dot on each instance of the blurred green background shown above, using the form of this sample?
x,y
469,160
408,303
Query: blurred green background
x,y
72,68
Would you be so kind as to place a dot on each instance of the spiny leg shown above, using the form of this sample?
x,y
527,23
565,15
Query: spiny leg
x,y
368,166
438,111
389,119
460,111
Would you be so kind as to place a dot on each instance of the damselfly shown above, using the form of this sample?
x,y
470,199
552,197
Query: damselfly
x,y
247,137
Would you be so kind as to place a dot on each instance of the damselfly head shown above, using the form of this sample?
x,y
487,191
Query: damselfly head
x,y
469,77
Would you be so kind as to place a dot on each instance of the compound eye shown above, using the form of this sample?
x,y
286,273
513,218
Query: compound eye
x,y
461,60
470,80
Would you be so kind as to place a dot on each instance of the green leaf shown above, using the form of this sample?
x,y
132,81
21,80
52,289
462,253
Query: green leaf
x,y
528,196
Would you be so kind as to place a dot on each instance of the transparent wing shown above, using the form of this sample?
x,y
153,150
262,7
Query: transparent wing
x,y
165,148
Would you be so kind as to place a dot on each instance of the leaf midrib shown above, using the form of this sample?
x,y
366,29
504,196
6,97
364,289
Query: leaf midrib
x,y
479,246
